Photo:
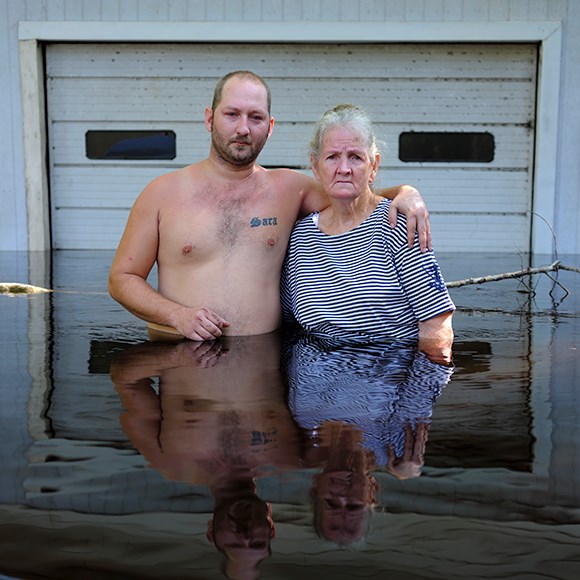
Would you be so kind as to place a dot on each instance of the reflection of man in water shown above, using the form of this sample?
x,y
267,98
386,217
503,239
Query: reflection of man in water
x,y
362,408
218,418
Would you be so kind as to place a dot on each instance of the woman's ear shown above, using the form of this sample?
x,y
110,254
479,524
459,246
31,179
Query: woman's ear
x,y
375,167
313,166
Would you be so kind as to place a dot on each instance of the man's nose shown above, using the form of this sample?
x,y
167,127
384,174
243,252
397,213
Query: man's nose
x,y
243,128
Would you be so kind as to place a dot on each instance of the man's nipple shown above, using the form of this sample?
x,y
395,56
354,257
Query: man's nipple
x,y
271,242
187,249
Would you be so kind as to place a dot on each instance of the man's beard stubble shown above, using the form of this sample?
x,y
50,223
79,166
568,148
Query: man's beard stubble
x,y
231,153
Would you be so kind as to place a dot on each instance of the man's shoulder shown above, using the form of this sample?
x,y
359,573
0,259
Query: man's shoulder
x,y
289,179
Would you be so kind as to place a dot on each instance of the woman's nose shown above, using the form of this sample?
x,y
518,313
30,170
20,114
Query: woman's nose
x,y
344,165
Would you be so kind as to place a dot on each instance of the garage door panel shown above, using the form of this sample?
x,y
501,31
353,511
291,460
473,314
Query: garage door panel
x,y
211,61
175,99
480,233
471,191
116,187
288,145
88,229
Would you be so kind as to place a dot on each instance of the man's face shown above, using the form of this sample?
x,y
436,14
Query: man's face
x,y
242,529
240,124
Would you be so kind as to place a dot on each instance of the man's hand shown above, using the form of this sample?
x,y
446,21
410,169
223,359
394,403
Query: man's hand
x,y
408,201
200,323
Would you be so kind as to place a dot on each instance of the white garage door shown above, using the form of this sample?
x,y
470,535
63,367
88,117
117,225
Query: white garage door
x,y
458,121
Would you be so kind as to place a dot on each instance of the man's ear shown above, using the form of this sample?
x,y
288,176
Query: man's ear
x,y
209,534
271,128
208,118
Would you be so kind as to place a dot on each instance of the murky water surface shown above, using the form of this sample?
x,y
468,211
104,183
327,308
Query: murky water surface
x,y
122,458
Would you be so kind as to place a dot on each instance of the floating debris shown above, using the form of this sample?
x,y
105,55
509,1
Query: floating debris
x,y
14,288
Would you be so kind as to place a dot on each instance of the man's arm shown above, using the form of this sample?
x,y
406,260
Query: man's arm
x,y
406,199
136,255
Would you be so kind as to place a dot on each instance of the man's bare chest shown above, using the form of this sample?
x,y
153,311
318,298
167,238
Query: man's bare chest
x,y
225,227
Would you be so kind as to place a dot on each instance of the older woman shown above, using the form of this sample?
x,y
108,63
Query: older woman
x,y
348,274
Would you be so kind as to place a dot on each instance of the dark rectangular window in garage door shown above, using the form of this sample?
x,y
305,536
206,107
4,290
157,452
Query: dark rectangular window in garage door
x,y
446,147
130,145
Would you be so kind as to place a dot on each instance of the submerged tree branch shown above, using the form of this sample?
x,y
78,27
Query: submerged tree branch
x,y
554,267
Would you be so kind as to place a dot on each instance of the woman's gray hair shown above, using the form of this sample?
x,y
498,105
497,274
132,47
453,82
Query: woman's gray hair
x,y
344,115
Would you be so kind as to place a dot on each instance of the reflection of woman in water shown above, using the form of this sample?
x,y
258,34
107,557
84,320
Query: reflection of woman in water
x,y
218,417
362,408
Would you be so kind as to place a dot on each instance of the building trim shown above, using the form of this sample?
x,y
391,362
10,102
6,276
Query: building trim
x,y
547,34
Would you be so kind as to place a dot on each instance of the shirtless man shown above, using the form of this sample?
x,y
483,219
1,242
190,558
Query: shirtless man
x,y
219,228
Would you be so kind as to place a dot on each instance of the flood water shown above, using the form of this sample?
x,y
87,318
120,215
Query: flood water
x,y
125,459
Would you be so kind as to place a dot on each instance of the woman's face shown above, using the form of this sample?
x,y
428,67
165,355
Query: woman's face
x,y
344,167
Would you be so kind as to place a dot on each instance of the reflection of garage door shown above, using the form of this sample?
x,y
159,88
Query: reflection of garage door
x,y
457,119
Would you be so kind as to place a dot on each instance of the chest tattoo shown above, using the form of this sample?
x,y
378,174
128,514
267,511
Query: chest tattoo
x,y
256,222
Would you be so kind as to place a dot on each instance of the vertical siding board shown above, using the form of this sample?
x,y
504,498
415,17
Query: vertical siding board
x,y
91,10
567,211
394,11
518,9
153,10
291,10
558,9
452,10
330,10
349,10
312,10
498,10
215,10
13,214
414,10
73,10
252,9
197,10
434,10
55,10
35,9
538,10
272,10
233,11
110,10
475,10
177,11
372,10
128,10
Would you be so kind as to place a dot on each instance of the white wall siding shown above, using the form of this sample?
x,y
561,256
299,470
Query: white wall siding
x,y
13,219
13,235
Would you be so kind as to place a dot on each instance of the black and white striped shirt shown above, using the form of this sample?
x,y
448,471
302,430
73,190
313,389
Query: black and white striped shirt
x,y
364,284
